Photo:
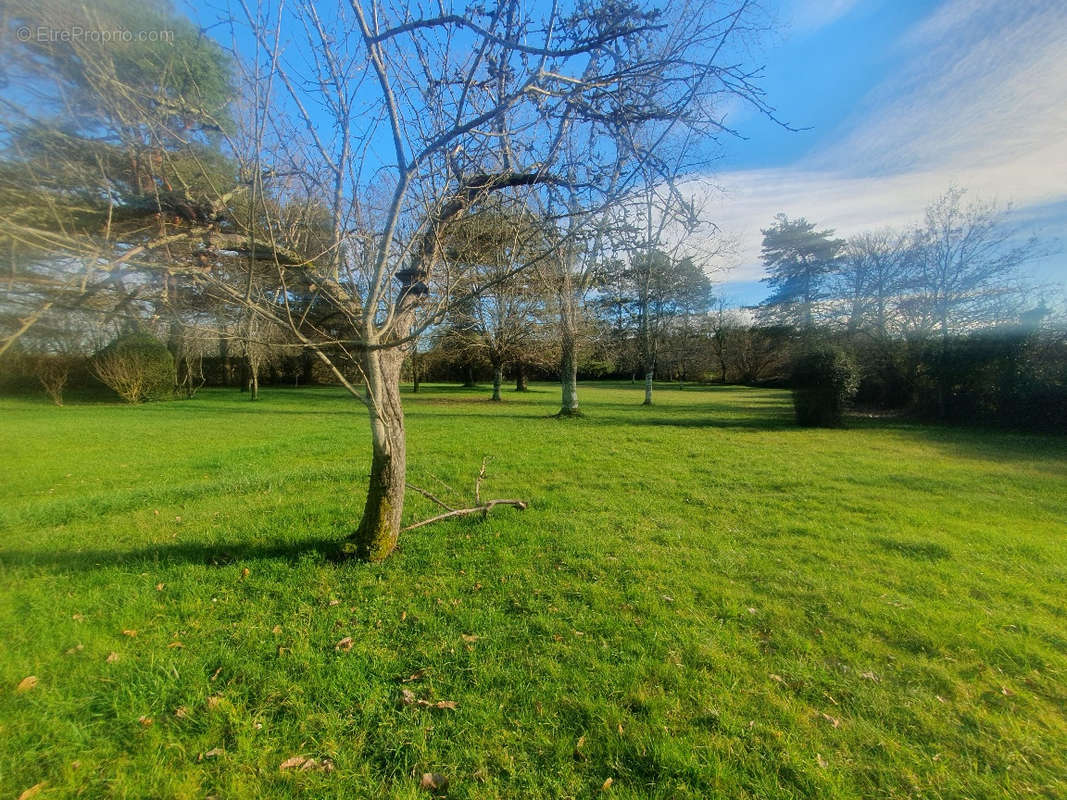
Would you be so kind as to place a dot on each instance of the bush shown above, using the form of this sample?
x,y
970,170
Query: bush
x,y
823,380
53,372
137,367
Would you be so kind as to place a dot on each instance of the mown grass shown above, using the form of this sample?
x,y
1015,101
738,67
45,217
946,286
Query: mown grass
x,y
702,601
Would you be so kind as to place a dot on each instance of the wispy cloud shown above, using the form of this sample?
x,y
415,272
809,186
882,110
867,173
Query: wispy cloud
x,y
805,16
979,98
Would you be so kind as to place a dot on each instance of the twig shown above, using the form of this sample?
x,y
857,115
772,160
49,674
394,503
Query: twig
x,y
429,496
478,508
464,512
478,481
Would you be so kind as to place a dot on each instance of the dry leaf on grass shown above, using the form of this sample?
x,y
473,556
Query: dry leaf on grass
x,y
173,645
306,764
607,784
417,675
181,712
832,720
26,683
345,644
407,698
76,649
433,782
112,657
33,791
214,752
145,721
578,754
131,633
469,637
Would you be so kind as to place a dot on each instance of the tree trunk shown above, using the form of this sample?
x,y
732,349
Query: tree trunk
x,y
468,376
253,382
498,377
521,381
379,528
648,386
416,378
568,375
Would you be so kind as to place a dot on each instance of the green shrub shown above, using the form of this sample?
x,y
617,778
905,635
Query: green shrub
x,y
137,367
823,380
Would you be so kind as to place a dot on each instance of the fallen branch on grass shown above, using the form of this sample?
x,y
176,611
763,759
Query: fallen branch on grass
x,y
451,512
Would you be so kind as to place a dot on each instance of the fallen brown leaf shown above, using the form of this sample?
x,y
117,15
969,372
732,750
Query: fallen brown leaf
x,y
181,712
446,704
469,637
417,675
246,572
407,697
433,782
131,633
820,760
146,721
33,791
112,657
173,645
159,587
869,676
345,644
306,764
214,752
832,720
578,754
213,701
26,683
606,784
76,649
276,629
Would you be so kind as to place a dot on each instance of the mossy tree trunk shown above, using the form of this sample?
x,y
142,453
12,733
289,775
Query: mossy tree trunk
x,y
568,376
379,528
498,378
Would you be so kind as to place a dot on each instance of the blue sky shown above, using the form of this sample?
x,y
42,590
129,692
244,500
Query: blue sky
x,y
902,99
899,99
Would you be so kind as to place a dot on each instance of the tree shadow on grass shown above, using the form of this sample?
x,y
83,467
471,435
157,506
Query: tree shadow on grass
x,y
205,554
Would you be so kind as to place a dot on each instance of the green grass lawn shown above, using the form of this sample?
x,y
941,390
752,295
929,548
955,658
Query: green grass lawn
x,y
701,601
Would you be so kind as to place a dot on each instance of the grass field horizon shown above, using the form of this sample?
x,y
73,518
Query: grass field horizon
x,y
702,600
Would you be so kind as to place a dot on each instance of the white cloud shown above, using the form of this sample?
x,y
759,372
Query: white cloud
x,y
806,16
979,99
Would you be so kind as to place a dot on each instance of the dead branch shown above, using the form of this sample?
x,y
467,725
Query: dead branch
x,y
430,497
465,512
478,481
478,508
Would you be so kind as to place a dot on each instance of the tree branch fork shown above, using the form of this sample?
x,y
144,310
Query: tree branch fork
x,y
451,512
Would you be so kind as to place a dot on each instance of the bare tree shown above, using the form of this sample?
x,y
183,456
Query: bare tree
x,y
349,159
964,272
870,280
503,318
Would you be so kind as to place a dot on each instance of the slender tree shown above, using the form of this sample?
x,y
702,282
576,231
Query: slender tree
x,y
798,259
